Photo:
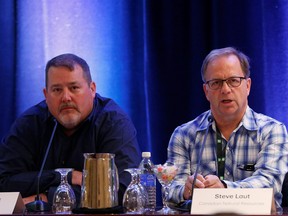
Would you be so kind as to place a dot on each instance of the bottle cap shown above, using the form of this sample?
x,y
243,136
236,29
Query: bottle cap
x,y
146,154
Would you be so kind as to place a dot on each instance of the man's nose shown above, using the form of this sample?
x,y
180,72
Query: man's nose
x,y
225,87
66,95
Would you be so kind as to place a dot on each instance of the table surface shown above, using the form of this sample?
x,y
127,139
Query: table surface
x,y
180,213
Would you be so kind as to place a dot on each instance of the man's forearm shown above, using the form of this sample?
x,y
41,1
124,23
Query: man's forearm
x,y
32,198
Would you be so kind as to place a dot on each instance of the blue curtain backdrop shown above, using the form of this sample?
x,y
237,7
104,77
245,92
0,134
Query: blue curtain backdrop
x,y
145,54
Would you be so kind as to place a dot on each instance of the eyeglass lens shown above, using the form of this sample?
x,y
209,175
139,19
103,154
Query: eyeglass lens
x,y
231,82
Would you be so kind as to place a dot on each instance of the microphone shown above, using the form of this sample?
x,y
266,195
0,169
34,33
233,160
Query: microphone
x,y
210,120
38,205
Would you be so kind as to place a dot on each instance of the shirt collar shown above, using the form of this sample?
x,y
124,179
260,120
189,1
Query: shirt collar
x,y
248,120
204,122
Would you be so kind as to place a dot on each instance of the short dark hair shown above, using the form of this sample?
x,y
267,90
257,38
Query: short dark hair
x,y
244,60
69,60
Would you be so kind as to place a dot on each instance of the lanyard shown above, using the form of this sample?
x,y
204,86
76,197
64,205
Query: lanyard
x,y
220,155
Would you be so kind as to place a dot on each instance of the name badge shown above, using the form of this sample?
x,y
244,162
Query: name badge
x,y
250,201
11,202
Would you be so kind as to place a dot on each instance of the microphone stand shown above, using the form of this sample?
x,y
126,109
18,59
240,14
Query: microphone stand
x,y
38,205
210,119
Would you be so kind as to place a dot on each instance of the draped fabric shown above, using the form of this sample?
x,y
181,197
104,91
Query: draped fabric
x,y
145,54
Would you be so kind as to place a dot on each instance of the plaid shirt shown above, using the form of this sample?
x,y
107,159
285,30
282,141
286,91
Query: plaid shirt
x,y
258,140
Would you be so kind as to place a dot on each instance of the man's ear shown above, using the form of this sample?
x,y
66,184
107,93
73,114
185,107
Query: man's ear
x,y
45,92
93,87
205,91
249,81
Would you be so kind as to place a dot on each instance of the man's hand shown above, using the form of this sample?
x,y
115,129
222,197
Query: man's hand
x,y
188,185
32,198
209,181
76,177
212,181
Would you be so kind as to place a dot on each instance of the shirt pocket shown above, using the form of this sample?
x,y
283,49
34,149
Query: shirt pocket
x,y
243,171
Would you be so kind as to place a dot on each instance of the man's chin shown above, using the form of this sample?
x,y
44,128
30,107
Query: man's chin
x,y
69,124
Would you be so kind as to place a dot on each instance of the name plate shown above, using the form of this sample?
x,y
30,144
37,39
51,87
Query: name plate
x,y
250,201
11,202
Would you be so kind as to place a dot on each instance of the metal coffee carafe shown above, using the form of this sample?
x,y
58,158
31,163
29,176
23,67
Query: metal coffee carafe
x,y
100,181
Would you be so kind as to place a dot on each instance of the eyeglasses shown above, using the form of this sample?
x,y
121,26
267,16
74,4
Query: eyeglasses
x,y
232,82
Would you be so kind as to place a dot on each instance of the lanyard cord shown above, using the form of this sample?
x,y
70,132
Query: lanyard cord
x,y
220,155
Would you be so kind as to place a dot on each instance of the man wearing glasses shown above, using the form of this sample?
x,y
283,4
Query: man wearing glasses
x,y
243,149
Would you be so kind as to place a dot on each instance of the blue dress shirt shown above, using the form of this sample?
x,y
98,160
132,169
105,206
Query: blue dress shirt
x,y
106,130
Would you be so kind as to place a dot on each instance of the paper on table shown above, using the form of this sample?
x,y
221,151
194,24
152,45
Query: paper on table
x,y
250,201
11,202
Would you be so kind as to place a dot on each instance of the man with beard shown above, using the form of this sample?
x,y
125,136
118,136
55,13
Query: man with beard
x,y
87,123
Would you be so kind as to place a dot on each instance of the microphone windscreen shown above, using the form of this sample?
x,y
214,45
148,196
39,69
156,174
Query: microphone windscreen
x,y
210,119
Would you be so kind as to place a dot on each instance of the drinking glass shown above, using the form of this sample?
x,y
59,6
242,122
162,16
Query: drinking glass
x,y
135,198
64,199
165,174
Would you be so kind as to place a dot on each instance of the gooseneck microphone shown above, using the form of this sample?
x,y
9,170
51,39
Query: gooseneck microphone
x,y
210,120
38,205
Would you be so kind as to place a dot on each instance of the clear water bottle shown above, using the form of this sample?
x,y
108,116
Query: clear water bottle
x,y
148,179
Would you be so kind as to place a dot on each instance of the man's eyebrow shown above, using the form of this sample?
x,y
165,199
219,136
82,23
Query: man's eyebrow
x,y
69,84
55,85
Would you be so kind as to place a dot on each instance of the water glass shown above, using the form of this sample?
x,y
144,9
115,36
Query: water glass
x,y
64,199
135,198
